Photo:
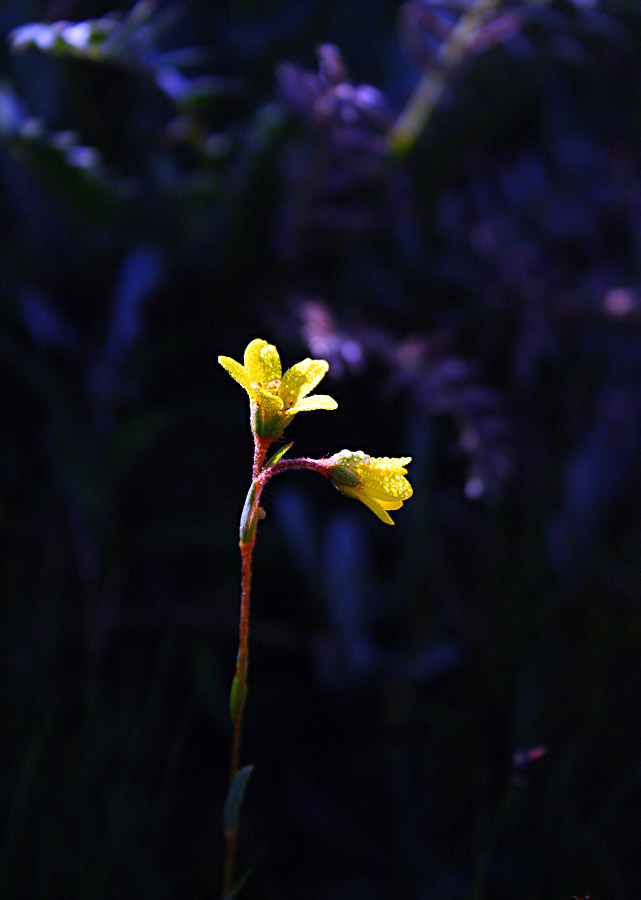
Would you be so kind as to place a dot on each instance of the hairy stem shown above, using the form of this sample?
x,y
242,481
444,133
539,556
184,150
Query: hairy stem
x,y
240,693
249,521
239,687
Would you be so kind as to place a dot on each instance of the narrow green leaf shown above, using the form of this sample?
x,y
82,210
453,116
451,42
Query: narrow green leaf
x,y
279,454
248,516
236,696
235,799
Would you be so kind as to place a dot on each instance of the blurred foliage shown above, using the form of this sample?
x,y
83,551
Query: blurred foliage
x,y
176,179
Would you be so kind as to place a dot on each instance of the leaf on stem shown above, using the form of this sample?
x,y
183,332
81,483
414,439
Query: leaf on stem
x,y
279,454
236,697
248,519
235,799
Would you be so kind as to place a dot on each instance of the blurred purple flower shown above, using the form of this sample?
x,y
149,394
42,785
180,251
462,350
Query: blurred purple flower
x,y
340,181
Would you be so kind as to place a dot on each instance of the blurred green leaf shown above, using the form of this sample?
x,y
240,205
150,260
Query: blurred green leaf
x,y
235,799
72,169
112,38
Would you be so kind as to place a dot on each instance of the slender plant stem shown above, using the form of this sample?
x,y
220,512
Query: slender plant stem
x,y
261,476
261,446
240,689
303,462
242,663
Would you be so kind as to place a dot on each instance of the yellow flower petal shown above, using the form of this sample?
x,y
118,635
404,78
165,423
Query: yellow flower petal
x,y
379,511
271,403
391,504
316,401
300,379
262,363
384,479
266,417
377,508
235,369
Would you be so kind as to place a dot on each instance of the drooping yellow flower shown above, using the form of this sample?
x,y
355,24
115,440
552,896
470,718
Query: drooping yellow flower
x,y
379,483
276,398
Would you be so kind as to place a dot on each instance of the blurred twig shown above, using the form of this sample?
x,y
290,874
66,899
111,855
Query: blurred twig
x,y
432,84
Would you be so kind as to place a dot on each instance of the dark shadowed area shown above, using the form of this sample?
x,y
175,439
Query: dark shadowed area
x,y
442,198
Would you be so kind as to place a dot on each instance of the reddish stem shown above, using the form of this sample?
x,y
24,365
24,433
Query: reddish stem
x,y
261,446
287,465
260,477
242,665
242,661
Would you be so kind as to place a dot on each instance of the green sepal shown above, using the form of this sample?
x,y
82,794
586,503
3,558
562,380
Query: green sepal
x,y
343,477
249,517
265,425
279,454
236,697
234,800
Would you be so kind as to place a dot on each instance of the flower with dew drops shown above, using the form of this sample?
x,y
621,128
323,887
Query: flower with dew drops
x,y
276,398
379,483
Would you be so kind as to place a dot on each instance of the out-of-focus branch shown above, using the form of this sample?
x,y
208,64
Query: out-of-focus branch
x,y
433,82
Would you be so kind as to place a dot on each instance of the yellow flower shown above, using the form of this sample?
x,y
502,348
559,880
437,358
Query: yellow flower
x,y
276,398
379,483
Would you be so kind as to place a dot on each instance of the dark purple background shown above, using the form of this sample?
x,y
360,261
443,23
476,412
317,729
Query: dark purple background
x,y
479,301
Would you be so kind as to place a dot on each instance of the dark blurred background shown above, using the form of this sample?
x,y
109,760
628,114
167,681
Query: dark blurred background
x,y
447,709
